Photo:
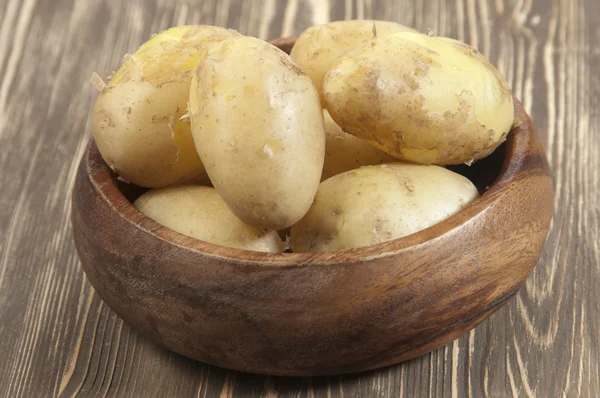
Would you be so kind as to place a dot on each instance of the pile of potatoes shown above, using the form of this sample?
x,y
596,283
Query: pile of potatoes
x,y
345,140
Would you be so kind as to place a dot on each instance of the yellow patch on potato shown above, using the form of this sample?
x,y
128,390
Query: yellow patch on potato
x,y
139,122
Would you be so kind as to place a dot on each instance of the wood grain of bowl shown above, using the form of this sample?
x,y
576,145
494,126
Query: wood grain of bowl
x,y
318,313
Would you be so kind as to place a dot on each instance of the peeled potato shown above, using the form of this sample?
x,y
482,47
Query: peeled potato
x,y
137,121
319,46
421,99
345,152
200,212
376,204
258,126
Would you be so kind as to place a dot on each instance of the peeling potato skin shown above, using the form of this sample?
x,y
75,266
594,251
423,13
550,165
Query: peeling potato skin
x,y
136,120
201,213
344,152
375,204
420,99
258,126
171,55
318,47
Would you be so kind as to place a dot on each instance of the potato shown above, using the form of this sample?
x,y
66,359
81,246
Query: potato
x,y
421,99
258,126
345,152
200,212
136,121
319,46
376,204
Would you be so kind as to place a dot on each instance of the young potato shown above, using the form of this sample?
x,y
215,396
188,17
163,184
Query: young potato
x,y
376,204
258,127
200,212
136,121
319,46
421,99
345,152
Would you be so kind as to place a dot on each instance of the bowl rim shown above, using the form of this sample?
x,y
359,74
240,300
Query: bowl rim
x,y
518,144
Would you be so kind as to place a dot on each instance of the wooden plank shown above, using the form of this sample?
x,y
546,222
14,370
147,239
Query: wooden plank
x,y
57,335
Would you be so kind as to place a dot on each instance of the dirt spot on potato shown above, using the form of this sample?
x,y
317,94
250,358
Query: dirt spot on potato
x,y
467,49
372,82
315,238
285,61
421,120
382,230
160,118
430,51
421,69
411,81
107,123
410,188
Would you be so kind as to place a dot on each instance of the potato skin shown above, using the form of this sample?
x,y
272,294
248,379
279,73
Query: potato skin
x,y
421,99
200,212
136,120
318,47
258,126
376,204
345,152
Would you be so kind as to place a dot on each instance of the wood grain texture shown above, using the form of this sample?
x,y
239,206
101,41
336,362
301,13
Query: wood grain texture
x,y
58,337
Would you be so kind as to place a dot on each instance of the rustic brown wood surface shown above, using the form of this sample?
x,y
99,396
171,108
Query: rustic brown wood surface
x,y
57,337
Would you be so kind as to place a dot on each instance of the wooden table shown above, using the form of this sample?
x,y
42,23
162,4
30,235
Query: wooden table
x,y
56,335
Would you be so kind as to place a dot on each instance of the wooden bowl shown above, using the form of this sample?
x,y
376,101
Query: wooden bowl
x,y
318,313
